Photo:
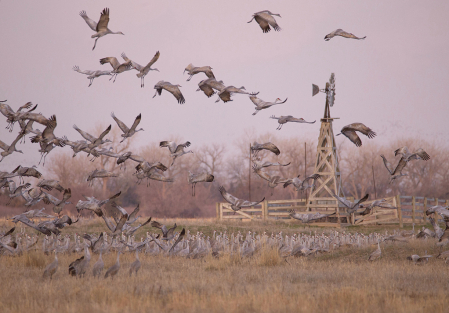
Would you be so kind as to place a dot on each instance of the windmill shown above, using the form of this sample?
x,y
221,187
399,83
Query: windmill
x,y
326,165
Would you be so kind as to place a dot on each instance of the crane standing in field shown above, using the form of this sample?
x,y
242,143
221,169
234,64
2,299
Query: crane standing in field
x,y
101,28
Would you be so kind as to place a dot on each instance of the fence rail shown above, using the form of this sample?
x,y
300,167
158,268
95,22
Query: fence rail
x,y
404,210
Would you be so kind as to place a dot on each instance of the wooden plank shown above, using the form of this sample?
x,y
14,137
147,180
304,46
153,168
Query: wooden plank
x,y
217,210
398,201
239,212
425,209
413,209
221,211
406,197
286,201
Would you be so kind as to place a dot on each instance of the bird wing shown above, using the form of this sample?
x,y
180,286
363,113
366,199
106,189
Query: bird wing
x,y
85,135
341,32
387,164
363,129
3,145
270,20
48,131
311,177
262,23
419,154
344,201
261,174
182,146
208,91
111,60
362,200
136,122
174,90
136,158
67,194
227,196
25,106
92,24
86,72
256,100
120,124
180,237
134,64
153,60
171,230
247,203
271,147
104,20
352,135
104,133
134,213
48,198
120,224
171,145
402,163
108,223
13,144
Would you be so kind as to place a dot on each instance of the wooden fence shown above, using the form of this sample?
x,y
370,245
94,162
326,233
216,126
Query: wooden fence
x,y
405,210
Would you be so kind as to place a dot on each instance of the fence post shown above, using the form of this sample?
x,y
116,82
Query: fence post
x,y
221,211
413,209
265,206
217,209
398,197
424,218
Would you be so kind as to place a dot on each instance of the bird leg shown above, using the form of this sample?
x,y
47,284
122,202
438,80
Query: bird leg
x,y
142,81
42,154
91,80
115,78
190,77
95,43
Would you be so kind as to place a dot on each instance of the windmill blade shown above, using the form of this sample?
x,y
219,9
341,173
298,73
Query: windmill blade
x,y
315,89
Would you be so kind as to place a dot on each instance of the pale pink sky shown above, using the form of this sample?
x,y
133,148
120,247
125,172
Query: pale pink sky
x,y
395,81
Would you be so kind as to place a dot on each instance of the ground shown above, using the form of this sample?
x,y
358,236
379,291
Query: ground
x,y
339,281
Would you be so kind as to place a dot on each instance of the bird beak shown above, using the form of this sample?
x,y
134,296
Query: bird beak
x,y
338,134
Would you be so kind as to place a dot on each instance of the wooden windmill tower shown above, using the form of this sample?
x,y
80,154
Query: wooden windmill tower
x,y
326,165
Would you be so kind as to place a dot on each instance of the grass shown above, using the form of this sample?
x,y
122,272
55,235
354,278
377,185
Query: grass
x,y
339,281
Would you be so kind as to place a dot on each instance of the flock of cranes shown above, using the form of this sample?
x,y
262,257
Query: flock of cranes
x,y
120,237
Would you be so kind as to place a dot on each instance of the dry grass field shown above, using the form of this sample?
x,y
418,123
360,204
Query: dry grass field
x,y
339,281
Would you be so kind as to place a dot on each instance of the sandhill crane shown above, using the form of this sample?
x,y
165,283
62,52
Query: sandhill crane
x,y
175,150
7,150
135,266
58,205
143,70
129,156
117,67
226,93
307,217
265,19
92,74
79,266
256,147
342,33
113,270
101,28
27,128
99,174
273,181
416,259
444,212
95,142
167,234
377,203
47,136
173,89
350,132
127,132
27,172
198,178
152,174
285,119
259,164
260,104
120,222
397,171
94,204
26,221
302,185
51,268
192,70
236,203
16,191
12,116
376,254
438,231
419,154
351,207
49,184
146,166
208,86
98,267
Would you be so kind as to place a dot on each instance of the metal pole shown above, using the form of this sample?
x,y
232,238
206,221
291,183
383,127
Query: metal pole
x,y
305,160
249,174
374,180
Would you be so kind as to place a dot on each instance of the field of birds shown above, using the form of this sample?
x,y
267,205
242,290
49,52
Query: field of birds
x,y
341,279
